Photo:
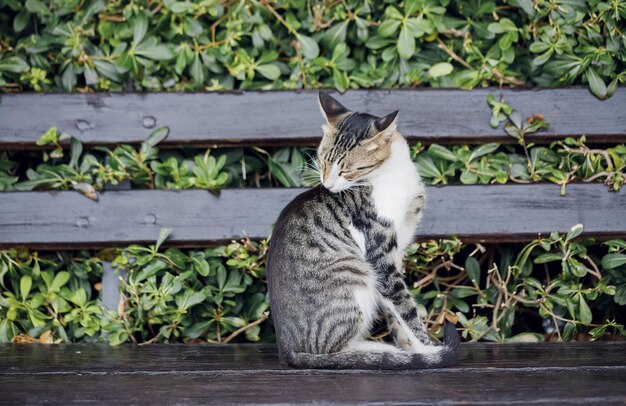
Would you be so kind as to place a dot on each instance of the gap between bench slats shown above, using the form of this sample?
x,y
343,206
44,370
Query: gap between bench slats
x,y
292,117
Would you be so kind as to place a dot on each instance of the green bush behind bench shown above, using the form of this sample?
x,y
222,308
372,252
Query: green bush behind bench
x,y
557,287
72,45
561,162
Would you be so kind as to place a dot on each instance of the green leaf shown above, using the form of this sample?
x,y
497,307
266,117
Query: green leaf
x,y
79,297
574,232
568,331
140,27
620,295
525,338
472,267
270,71
597,86
468,177
156,136
76,152
25,284
21,20
438,151
181,7
440,69
68,78
308,46
60,279
149,49
549,257
612,261
13,64
50,137
163,234
37,7
388,28
527,6
584,312
197,71
406,43
427,167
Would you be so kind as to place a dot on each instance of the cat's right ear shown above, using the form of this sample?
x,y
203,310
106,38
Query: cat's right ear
x,y
331,109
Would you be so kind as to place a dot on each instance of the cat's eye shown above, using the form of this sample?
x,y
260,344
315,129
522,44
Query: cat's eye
x,y
362,168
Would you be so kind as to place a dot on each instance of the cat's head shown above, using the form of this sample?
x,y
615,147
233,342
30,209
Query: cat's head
x,y
354,144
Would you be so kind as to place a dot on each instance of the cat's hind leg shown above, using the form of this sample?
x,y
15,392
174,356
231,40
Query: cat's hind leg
x,y
404,336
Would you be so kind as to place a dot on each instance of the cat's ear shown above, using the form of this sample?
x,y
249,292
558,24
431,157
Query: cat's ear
x,y
383,131
387,123
331,109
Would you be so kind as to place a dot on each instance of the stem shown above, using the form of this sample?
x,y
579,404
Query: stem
x,y
263,317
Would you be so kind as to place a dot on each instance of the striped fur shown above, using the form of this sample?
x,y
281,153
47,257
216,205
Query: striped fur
x,y
335,257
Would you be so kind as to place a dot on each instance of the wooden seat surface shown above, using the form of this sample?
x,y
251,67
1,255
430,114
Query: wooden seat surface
x,y
251,373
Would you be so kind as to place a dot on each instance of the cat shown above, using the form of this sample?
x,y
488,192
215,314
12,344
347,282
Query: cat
x,y
335,255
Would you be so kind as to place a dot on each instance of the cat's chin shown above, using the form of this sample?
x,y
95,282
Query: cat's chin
x,y
336,190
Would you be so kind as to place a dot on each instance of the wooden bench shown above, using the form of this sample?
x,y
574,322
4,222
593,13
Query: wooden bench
x,y
251,373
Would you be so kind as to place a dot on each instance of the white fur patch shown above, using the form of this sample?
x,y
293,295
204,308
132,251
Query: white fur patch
x,y
367,300
395,184
358,237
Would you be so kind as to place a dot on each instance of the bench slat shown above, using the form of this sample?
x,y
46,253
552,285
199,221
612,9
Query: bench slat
x,y
493,213
233,358
193,374
438,387
292,118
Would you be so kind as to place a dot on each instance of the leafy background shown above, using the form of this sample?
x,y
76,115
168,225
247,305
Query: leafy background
x,y
558,287
76,45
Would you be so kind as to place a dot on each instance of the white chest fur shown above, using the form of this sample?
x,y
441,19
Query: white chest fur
x,y
395,186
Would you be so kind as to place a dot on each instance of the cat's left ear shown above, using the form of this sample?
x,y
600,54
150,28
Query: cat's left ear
x,y
387,123
383,129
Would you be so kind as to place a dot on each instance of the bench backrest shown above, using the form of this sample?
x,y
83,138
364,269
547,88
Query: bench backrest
x,y
475,213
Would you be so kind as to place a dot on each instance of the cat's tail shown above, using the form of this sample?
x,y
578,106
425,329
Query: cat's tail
x,y
357,359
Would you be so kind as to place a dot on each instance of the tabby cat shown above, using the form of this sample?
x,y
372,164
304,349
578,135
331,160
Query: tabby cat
x,y
335,257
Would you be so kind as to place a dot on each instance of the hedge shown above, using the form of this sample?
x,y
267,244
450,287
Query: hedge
x,y
77,45
561,162
555,288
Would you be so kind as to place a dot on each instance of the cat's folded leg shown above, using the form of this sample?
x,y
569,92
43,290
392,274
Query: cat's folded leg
x,y
405,326
403,336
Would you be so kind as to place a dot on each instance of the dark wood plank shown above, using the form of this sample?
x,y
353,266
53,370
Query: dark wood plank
x,y
504,374
292,118
234,358
494,213
605,387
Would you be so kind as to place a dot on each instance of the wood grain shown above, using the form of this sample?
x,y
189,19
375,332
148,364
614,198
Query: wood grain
x,y
494,213
292,117
250,374
234,358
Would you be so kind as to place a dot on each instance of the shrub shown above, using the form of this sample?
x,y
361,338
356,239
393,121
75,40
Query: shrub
x,y
52,45
556,288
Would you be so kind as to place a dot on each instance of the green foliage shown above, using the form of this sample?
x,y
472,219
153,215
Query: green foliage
x,y
69,45
170,295
561,162
50,297
213,295
558,279
497,292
